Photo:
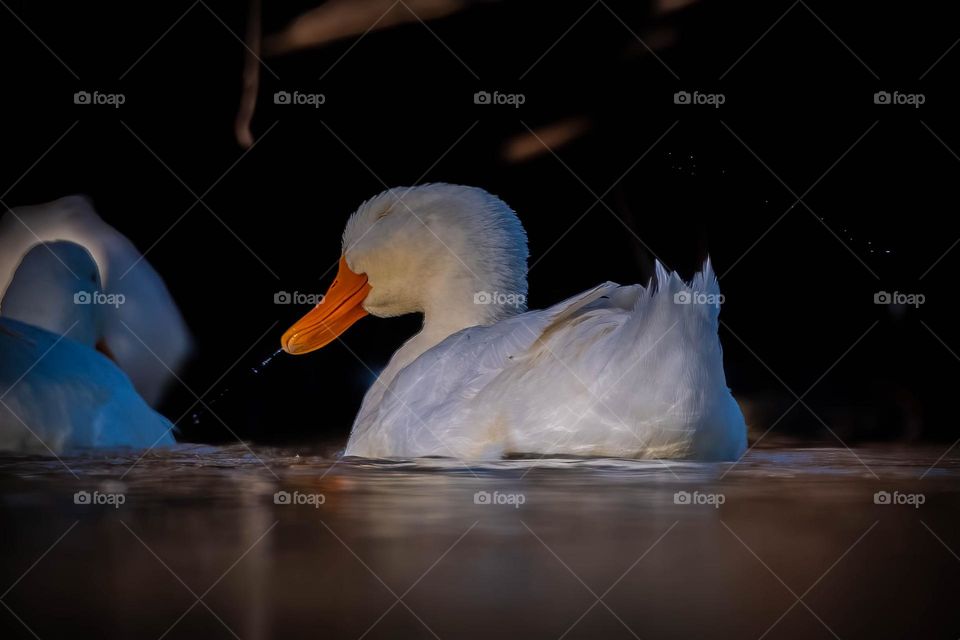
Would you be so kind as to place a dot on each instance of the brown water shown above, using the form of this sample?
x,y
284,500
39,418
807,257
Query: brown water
x,y
787,544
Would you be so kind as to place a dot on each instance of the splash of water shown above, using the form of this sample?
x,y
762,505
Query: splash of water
x,y
265,362
258,368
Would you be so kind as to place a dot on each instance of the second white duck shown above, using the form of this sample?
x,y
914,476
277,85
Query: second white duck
x,y
57,393
147,337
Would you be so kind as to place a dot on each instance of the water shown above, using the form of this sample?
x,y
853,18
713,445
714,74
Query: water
x,y
202,522
248,376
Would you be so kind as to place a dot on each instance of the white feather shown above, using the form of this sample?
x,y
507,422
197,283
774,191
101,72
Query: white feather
x,y
616,371
627,371
57,394
149,310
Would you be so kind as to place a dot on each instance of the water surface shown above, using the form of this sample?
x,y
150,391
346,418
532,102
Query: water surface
x,y
197,542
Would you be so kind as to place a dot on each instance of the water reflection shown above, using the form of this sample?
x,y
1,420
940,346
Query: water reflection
x,y
203,545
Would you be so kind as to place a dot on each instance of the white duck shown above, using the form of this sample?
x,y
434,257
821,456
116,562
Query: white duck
x,y
56,391
149,312
625,371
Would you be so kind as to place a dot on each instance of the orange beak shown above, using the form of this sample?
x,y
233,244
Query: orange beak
x,y
342,306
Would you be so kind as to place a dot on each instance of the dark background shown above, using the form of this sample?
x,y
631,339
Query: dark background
x,y
796,301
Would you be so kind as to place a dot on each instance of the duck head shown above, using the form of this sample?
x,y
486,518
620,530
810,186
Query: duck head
x,y
456,254
57,287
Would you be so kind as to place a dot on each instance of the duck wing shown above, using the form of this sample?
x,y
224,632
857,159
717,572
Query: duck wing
x,y
58,394
436,387
628,371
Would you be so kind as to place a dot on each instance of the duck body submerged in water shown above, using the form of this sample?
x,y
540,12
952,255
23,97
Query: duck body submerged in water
x,y
622,371
57,392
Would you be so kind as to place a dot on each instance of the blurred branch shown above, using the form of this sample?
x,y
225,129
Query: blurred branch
x,y
526,146
338,19
251,78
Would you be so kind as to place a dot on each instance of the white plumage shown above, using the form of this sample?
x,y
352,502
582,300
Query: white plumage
x,y
622,371
56,391
57,394
162,342
627,371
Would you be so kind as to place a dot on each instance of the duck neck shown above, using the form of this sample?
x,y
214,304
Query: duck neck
x,y
449,309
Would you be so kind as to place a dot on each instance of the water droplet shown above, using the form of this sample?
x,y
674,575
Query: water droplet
x,y
265,361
